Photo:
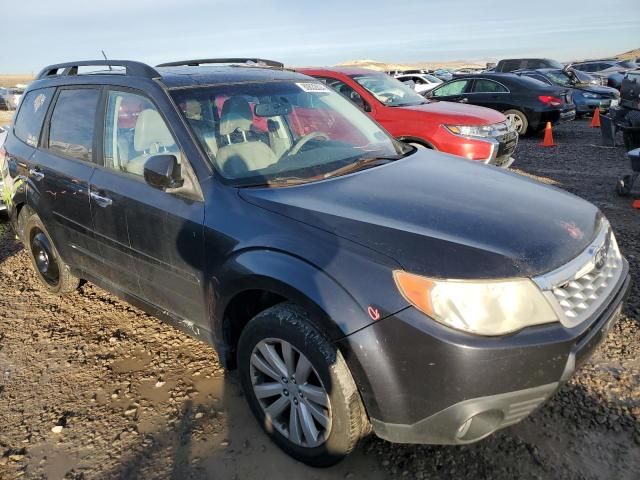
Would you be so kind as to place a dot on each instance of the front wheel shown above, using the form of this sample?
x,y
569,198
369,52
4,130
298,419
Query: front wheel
x,y
299,387
518,120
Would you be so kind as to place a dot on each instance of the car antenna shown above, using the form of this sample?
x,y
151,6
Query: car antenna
x,y
105,57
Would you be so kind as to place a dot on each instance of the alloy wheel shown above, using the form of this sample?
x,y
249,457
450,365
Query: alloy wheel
x,y
516,121
290,392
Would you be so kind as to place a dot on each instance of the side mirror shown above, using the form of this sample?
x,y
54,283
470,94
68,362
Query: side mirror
x,y
428,94
162,172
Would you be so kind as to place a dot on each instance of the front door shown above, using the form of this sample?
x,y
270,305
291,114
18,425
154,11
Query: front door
x,y
152,238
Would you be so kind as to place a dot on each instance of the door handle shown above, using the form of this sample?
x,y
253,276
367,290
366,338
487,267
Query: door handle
x,y
36,174
100,200
464,100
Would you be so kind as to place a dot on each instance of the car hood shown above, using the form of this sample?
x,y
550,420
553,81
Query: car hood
x,y
460,114
442,216
600,90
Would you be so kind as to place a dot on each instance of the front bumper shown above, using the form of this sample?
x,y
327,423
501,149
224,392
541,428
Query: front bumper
x,y
495,151
424,383
588,105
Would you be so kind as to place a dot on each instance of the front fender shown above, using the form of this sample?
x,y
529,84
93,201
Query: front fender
x,y
330,305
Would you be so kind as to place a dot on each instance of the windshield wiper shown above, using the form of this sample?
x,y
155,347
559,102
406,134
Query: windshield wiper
x,y
357,165
352,167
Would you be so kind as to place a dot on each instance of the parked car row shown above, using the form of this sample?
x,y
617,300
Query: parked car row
x,y
9,98
357,283
527,103
474,133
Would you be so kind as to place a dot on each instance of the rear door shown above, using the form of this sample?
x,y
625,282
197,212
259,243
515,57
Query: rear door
x,y
60,171
21,143
150,237
489,93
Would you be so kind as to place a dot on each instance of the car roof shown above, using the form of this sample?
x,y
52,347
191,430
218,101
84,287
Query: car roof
x,y
173,76
209,75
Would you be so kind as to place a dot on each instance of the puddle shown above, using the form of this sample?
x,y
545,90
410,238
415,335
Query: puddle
x,y
138,360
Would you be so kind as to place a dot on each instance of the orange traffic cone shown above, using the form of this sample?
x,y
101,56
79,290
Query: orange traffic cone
x,y
548,136
636,204
595,121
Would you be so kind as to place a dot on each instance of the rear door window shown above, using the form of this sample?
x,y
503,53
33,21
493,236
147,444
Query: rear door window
x,y
73,123
29,120
488,86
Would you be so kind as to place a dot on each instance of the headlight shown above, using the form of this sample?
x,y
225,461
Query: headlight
x,y
590,95
486,307
493,130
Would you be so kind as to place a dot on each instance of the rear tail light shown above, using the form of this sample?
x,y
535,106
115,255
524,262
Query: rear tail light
x,y
550,100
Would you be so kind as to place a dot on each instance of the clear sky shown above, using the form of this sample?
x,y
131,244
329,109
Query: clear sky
x,y
303,32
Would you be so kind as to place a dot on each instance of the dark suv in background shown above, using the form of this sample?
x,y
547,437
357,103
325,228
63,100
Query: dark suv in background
x,y
586,96
264,213
511,64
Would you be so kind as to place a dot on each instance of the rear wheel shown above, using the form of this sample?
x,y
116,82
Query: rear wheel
x,y
53,273
518,120
299,387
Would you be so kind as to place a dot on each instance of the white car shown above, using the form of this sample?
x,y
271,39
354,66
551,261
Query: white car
x,y
422,82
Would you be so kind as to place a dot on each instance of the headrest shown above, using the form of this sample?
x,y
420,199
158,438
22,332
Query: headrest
x,y
236,115
193,110
151,130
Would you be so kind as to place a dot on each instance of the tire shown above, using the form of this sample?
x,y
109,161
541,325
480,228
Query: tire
x,y
519,120
623,188
345,417
50,269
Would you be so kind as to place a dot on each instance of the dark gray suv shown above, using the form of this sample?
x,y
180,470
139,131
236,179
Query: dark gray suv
x,y
337,269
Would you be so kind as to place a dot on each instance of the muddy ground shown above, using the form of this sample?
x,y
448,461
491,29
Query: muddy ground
x,y
92,388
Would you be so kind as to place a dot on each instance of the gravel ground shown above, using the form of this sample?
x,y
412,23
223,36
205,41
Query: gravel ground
x,y
91,387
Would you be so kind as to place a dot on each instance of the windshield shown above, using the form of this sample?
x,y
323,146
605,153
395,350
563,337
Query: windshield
x,y
628,64
388,90
431,78
255,134
559,78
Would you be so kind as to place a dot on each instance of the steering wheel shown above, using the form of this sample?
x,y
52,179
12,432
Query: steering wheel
x,y
302,141
391,97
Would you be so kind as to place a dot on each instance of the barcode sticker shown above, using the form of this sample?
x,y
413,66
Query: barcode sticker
x,y
313,87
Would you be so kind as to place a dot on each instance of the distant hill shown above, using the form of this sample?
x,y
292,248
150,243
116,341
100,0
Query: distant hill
x,y
382,66
630,55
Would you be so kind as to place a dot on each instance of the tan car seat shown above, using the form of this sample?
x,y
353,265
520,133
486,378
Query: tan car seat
x,y
152,137
242,153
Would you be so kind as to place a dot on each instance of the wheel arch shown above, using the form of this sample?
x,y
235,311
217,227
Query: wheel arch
x,y
259,279
412,139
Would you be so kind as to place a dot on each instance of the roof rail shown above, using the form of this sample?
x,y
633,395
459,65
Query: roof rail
x,y
257,62
132,68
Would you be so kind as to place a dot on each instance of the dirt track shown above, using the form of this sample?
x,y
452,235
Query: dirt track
x,y
138,399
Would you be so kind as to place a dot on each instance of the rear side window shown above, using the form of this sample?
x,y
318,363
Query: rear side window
x,y
33,108
488,86
72,123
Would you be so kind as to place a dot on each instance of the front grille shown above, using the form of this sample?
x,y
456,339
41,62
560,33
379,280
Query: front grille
x,y
577,290
578,296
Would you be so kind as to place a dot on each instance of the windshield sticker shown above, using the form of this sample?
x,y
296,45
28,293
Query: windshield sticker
x,y
38,102
313,87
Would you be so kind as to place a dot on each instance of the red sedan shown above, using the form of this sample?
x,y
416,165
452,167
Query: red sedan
x,y
475,133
